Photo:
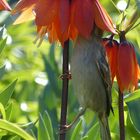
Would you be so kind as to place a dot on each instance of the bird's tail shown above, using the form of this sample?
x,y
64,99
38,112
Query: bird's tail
x,y
104,128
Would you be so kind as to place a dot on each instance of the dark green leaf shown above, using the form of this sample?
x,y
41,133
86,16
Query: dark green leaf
x,y
130,129
7,93
132,96
134,111
2,71
51,75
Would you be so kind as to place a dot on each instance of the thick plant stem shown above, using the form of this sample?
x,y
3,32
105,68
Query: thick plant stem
x,y
64,100
121,116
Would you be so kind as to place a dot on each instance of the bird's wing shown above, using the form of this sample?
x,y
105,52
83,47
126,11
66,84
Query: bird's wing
x,y
104,70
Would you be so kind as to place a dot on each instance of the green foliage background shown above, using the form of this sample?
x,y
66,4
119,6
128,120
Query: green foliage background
x,y
30,87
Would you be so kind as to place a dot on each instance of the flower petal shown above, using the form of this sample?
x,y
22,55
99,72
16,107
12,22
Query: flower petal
x,y
83,17
4,5
102,19
23,5
64,15
26,15
111,47
46,11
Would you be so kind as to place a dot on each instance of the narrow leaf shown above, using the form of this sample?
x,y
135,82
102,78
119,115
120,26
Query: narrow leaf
x,y
51,75
48,124
9,110
2,111
132,96
7,93
15,129
42,130
2,45
2,71
76,133
134,109
93,133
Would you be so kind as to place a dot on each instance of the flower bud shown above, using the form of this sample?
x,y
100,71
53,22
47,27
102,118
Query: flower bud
x,y
127,67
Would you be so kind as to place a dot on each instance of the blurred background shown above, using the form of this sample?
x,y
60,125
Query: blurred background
x,y
38,88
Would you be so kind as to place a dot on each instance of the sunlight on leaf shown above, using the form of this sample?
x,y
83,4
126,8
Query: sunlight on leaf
x,y
15,129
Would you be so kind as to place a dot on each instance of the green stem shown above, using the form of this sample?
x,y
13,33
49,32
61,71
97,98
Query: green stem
x,y
115,6
122,36
132,21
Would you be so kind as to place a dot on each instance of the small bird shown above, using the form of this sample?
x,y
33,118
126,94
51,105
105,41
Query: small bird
x,y
91,79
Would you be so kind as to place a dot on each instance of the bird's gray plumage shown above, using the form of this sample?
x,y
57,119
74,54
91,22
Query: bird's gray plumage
x,y
91,79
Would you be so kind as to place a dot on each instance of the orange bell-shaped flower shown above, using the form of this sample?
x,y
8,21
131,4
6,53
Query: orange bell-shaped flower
x,y
111,47
64,19
4,5
127,68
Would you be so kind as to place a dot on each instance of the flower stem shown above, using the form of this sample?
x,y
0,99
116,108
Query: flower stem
x,y
122,36
132,21
121,116
64,99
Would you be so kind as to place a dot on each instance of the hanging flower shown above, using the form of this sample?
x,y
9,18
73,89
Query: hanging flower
x,y
4,5
127,67
111,47
64,19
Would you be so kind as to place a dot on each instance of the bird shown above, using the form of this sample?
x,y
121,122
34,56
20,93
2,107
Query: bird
x,y
91,78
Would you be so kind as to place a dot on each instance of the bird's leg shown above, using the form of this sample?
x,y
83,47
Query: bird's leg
x,y
66,75
67,127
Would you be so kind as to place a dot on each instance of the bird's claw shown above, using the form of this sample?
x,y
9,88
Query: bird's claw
x,y
66,75
64,128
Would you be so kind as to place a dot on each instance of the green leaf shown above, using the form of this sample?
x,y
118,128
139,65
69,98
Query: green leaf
x,y
93,133
76,133
138,4
51,75
134,111
15,138
15,129
9,110
52,54
53,59
7,93
2,111
3,133
2,71
132,96
130,129
42,130
2,44
48,124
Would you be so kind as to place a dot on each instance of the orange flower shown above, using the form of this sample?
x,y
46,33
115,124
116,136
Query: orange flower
x,y
4,5
127,68
111,47
64,19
